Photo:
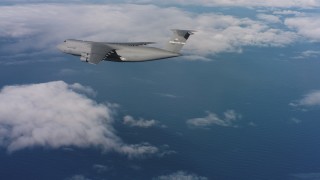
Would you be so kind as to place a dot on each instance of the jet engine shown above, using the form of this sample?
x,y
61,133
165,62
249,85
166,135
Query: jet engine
x,y
85,57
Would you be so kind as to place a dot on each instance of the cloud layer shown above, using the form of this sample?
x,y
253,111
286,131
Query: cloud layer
x,y
310,99
180,175
229,120
245,3
228,3
308,27
27,28
130,121
77,177
56,115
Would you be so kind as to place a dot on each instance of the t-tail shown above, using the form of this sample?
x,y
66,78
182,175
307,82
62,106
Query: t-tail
x,y
178,40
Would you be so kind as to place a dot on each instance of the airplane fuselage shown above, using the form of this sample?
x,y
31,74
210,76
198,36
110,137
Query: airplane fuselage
x,y
95,52
123,53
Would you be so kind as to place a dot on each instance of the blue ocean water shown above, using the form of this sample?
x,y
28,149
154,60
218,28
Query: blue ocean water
x,y
258,84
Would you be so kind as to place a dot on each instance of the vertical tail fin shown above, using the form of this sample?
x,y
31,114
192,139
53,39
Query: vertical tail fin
x,y
178,39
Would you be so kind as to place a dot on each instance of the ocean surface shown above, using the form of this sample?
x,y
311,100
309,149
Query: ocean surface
x,y
272,140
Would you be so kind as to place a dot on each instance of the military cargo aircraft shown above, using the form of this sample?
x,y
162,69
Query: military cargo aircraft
x,y
95,52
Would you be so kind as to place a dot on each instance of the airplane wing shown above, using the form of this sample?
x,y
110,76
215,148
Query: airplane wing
x,y
102,51
98,53
131,43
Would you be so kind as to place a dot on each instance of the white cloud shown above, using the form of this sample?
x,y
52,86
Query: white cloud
x,y
55,115
77,177
99,168
165,149
308,27
311,53
296,120
214,3
310,99
217,33
269,18
167,95
252,124
130,121
308,54
82,89
288,12
180,175
196,58
242,3
229,120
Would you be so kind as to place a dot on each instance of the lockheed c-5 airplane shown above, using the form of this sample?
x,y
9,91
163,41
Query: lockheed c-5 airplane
x,y
94,52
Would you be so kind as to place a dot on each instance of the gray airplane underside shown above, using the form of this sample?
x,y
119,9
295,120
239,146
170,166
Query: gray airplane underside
x,y
94,52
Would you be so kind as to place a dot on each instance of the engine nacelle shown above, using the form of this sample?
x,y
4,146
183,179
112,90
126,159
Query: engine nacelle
x,y
85,57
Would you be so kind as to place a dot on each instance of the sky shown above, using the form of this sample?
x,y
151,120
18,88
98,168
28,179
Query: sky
x,y
241,103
